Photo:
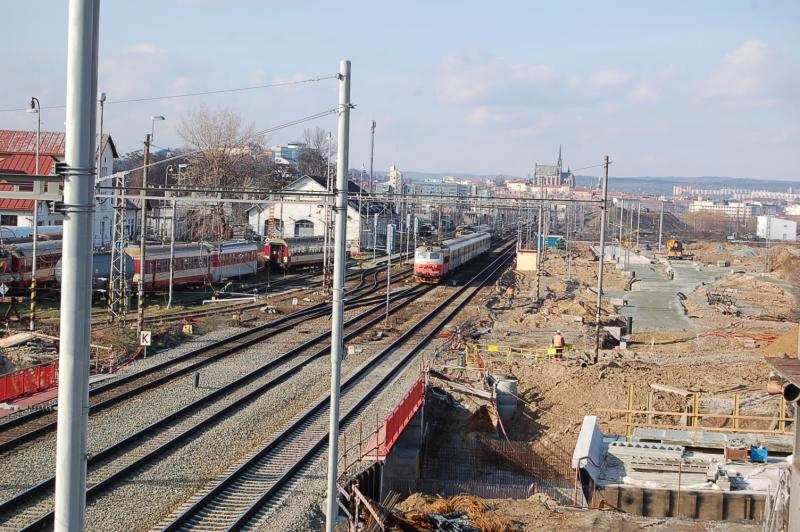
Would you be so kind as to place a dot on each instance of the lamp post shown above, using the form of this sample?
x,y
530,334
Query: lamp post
x,y
153,119
36,108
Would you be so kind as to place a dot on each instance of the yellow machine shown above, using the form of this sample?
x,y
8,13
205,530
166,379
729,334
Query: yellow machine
x,y
675,250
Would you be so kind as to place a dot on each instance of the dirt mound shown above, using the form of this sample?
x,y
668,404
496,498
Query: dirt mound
x,y
787,266
786,344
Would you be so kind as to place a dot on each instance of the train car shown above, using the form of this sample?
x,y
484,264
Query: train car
x,y
16,261
237,258
296,252
101,269
433,263
13,234
192,264
469,229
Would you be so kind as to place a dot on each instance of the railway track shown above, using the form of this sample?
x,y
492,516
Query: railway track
x,y
243,495
30,426
32,508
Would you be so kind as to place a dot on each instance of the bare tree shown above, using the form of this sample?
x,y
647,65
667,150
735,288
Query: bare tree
x,y
313,158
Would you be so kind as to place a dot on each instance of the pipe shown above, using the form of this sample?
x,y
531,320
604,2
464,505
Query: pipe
x,y
75,326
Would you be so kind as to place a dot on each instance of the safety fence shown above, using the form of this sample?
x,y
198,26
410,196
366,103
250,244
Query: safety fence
x,y
28,381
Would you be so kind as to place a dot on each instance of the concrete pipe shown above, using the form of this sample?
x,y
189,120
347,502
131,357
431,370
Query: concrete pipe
x,y
791,392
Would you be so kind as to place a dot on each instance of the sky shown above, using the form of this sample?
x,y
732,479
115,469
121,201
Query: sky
x,y
666,88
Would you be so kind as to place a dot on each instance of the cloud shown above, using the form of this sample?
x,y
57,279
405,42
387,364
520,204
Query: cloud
x,y
753,74
492,90
146,48
644,92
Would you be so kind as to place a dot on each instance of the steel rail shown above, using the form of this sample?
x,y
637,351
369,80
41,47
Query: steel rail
x,y
245,471
40,422
103,457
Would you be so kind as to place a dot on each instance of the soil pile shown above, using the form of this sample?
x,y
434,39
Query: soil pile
x,y
786,344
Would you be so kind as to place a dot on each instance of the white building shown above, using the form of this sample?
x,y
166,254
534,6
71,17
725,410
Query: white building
x,y
287,153
792,210
771,228
306,216
729,209
18,155
394,178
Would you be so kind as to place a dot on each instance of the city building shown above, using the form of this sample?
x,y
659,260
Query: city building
x,y
18,155
287,153
771,228
394,179
792,210
729,209
553,176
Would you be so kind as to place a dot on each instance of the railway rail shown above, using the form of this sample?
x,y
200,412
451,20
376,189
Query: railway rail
x,y
241,496
32,508
32,425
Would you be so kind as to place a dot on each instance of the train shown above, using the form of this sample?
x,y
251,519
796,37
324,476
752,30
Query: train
x,y
294,252
462,230
434,263
195,263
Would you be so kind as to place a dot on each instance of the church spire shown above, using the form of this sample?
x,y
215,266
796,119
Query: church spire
x,y
559,158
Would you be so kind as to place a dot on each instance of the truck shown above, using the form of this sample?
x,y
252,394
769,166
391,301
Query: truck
x,y
675,250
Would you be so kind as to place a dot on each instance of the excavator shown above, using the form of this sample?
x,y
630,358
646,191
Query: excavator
x,y
675,250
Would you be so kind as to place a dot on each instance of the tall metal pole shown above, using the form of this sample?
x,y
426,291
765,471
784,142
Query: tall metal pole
x,y
660,225
603,209
638,222
172,252
389,249
35,214
375,237
76,295
142,230
371,154
339,264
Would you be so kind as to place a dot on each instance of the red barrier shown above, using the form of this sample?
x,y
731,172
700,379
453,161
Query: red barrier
x,y
397,420
28,381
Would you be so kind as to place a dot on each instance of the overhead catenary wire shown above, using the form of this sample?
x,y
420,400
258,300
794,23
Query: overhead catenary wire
x,y
272,129
189,94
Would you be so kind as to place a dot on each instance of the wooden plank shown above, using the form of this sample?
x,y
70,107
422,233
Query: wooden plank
x,y
368,505
670,389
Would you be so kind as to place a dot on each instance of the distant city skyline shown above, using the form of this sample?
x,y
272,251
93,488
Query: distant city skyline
x,y
672,88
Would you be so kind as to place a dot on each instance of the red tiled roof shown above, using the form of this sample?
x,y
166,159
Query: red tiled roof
x,y
19,163
50,142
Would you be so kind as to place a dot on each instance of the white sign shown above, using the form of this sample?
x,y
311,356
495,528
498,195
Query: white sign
x,y
145,337
3,289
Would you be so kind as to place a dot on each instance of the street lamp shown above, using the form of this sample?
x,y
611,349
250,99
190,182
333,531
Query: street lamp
x,y
153,119
35,108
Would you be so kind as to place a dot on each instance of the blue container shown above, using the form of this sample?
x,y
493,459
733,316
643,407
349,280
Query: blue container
x,y
758,453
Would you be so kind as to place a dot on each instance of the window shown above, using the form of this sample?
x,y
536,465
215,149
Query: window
x,y
304,228
8,219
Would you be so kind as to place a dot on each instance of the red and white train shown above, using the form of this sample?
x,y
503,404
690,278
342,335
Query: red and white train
x,y
194,263
433,263
16,261
296,252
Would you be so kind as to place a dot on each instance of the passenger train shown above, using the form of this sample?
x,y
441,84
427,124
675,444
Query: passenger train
x,y
296,252
433,263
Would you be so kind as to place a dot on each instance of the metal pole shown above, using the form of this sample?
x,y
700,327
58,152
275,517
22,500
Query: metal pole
x,y
408,238
76,296
638,222
35,216
660,225
375,238
142,229
371,153
172,253
603,209
339,264
389,248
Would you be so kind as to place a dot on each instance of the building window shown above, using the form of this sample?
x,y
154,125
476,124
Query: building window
x,y
8,219
304,228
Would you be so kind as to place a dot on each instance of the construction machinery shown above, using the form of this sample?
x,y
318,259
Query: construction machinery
x,y
675,250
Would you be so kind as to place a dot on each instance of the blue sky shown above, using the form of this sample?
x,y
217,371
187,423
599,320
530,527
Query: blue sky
x,y
666,88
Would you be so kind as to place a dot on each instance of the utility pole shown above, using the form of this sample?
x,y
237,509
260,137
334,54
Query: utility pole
x,y
660,225
638,222
142,230
76,293
375,237
389,248
172,252
371,154
603,209
339,265
34,260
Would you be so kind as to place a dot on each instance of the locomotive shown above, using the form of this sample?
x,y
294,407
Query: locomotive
x,y
433,263
294,252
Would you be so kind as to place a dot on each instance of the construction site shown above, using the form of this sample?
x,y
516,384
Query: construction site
x,y
681,418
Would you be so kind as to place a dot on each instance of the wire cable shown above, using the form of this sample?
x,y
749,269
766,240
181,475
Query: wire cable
x,y
190,94
262,132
